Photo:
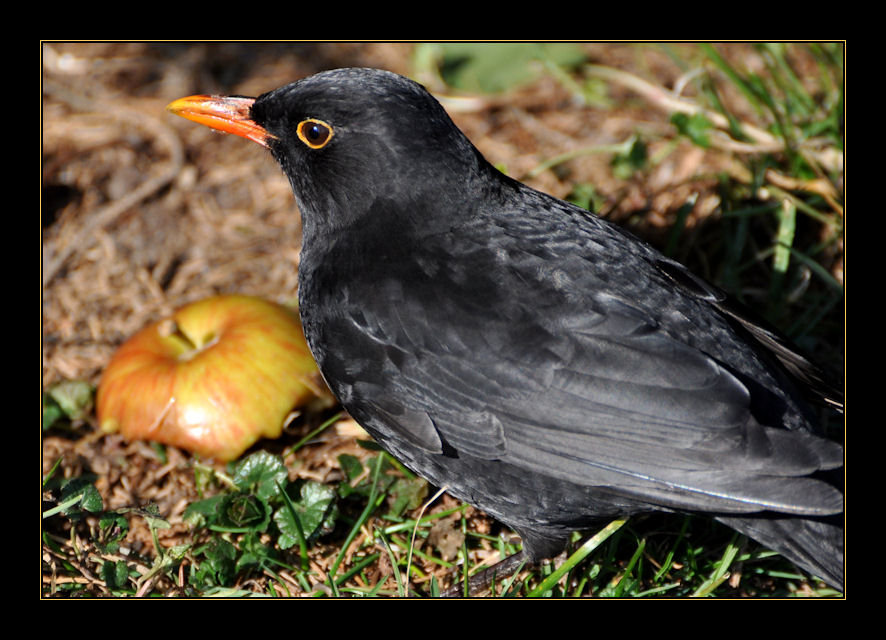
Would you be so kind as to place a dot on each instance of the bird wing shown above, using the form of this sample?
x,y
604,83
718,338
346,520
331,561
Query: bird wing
x,y
555,344
604,397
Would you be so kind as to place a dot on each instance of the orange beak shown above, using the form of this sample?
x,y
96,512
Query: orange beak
x,y
228,114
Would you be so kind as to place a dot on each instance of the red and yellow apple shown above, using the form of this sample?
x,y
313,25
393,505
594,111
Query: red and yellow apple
x,y
212,379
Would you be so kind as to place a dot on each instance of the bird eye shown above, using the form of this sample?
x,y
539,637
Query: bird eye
x,y
314,133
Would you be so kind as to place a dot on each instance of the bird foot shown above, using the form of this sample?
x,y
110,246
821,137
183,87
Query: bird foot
x,y
482,580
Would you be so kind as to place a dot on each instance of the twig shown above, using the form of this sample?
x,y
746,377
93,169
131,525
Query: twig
x,y
166,139
664,99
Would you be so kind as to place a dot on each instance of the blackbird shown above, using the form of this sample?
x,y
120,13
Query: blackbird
x,y
535,360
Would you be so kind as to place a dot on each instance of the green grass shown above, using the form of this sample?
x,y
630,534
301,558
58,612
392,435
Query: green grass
x,y
257,526
775,241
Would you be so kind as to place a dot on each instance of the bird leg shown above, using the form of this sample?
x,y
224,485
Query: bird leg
x,y
482,580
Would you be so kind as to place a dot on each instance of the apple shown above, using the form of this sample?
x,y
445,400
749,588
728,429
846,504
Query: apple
x,y
212,379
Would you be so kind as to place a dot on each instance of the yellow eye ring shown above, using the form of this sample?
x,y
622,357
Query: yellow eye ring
x,y
314,133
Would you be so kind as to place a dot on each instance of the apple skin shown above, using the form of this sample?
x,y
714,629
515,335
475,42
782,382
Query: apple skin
x,y
220,374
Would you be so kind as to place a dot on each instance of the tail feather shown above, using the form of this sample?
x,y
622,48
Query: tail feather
x,y
815,545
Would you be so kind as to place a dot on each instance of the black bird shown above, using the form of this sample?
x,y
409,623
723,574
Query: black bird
x,y
535,360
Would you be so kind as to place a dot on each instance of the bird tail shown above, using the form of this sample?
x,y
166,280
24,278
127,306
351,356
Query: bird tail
x,y
815,545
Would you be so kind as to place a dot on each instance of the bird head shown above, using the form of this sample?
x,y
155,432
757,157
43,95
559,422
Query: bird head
x,y
350,141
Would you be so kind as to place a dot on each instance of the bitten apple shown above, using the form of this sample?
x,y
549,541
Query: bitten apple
x,y
213,379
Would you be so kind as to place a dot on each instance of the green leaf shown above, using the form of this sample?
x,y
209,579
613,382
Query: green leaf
x,y
73,397
351,466
491,67
312,515
240,512
254,554
203,477
369,445
586,196
262,473
115,574
353,469
52,412
203,512
113,528
694,127
406,494
218,565
83,488
232,512
626,163
151,513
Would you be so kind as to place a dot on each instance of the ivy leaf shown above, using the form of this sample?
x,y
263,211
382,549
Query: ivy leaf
x,y
262,474
312,514
241,512
230,512
83,488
